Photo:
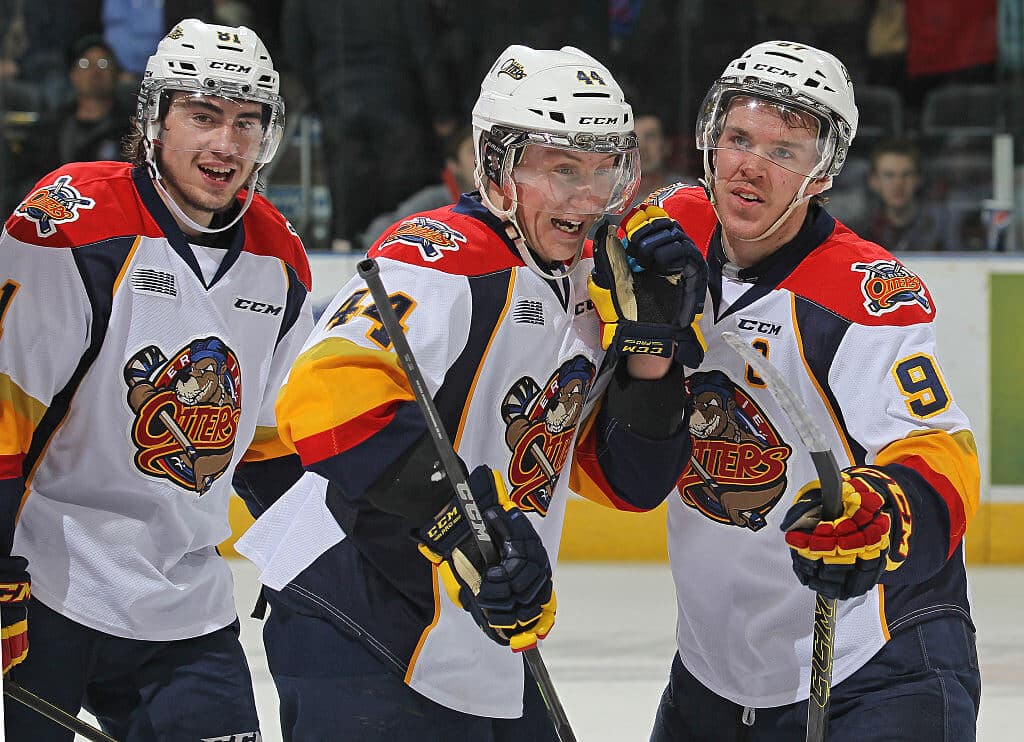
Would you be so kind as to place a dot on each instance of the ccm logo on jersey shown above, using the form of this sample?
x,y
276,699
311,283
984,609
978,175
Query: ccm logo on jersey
x,y
54,204
429,235
257,306
765,328
888,284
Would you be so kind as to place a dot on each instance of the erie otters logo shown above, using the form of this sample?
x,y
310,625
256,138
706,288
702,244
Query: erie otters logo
x,y
737,470
54,204
539,429
187,410
888,284
429,235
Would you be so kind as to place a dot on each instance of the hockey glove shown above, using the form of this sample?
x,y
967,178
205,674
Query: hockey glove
x,y
650,294
15,588
513,600
846,557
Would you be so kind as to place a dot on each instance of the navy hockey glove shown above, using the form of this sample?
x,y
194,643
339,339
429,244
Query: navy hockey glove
x,y
15,588
650,294
513,600
847,557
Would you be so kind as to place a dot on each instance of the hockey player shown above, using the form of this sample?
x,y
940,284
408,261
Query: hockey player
x,y
368,639
149,314
850,328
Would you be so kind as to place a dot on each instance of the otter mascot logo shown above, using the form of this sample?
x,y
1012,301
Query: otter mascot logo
x,y
737,470
540,424
187,411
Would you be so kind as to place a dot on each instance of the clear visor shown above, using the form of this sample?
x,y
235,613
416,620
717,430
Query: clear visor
x,y
567,181
775,131
237,127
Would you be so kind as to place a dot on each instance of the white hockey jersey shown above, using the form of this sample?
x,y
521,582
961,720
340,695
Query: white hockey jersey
x,y
130,388
510,360
850,328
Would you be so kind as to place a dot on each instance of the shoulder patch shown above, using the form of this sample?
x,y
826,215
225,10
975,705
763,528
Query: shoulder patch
x,y
54,204
888,284
431,236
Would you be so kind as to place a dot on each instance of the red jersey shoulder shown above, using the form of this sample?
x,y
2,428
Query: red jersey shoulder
x,y
80,204
447,241
268,232
862,282
688,205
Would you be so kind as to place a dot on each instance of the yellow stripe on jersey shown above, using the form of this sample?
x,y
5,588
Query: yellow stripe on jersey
x,y
814,380
335,382
480,366
266,444
21,414
949,463
124,266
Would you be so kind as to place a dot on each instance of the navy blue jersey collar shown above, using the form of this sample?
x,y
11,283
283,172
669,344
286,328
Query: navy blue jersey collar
x,y
774,269
233,238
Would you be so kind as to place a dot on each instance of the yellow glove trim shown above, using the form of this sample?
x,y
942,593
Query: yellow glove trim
x,y
642,216
605,306
527,639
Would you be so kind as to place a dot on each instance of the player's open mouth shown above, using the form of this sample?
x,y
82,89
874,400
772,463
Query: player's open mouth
x,y
748,196
569,226
223,174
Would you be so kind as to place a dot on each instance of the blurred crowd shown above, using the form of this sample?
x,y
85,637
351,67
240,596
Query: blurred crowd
x,y
390,84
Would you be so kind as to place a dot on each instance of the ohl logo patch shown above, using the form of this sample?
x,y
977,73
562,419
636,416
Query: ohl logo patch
x,y
429,235
539,427
888,284
187,410
737,470
53,204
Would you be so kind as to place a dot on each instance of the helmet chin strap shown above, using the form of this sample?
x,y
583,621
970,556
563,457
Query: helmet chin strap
x,y
798,198
517,235
179,214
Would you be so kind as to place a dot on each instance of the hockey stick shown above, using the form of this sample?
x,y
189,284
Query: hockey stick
x,y
53,713
369,271
831,507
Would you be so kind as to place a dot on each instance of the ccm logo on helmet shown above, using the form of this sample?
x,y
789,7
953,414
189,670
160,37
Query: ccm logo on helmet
x,y
599,119
230,67
774,70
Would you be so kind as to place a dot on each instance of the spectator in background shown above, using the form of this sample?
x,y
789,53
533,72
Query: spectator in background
x,y
93,124
655,153
901,219
370,69
456,179
33,37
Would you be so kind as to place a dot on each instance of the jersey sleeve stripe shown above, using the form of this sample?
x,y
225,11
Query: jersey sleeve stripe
x,y
949,463
316,420
586,477
427,630
266,444
21,414
11,465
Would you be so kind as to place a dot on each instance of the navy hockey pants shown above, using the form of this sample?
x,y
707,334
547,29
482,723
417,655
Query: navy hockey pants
x,y
332,688
922,686
141,691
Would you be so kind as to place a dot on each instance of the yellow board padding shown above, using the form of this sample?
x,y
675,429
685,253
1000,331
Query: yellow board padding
x,y
596,533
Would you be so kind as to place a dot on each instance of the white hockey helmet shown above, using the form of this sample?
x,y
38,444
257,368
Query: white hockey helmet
x,y
224,61
790,75
562,99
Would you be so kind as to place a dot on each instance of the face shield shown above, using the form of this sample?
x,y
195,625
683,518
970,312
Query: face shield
x,y
566,181
734,125
221,121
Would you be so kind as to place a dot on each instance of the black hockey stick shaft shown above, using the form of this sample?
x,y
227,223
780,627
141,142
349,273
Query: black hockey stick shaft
x,y
831,506
53,713
369,271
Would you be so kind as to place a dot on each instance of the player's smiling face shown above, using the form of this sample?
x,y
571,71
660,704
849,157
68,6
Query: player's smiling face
x,y
561,193
205,151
